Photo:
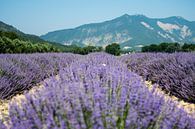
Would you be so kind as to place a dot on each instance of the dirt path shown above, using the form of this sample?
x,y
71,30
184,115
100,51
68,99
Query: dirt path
x,y
4,104
188,107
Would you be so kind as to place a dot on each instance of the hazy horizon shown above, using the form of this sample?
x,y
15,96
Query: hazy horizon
x,y
41,16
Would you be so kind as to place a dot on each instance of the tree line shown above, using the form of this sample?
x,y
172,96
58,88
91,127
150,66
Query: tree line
x,y
169,47
11,42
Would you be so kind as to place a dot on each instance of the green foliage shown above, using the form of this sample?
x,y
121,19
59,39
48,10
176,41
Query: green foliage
x,y
121,122
113,49
11,44
86,50
10,35
169,47
188,47
173,47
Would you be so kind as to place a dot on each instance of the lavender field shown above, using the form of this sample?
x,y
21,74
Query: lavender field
x,y
97,91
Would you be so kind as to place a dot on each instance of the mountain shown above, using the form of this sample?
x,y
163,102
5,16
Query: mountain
x,y
33,38
8,28
27,37
127,30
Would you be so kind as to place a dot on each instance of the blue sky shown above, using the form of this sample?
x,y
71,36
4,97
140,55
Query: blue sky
x,y
41,16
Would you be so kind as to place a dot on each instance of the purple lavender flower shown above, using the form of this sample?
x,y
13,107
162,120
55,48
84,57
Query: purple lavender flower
x,y
91,95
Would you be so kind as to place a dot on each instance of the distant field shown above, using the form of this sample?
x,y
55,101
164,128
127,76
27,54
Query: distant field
x,y
97,90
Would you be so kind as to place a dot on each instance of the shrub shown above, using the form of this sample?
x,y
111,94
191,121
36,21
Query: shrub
x,y
113,49
97,91
175,73
19,72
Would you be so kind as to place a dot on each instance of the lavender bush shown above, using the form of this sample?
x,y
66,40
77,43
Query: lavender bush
x,y
2,125
175,73
97,92
19,72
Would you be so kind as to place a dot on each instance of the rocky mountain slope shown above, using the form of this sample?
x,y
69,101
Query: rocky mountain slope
x,y
127,30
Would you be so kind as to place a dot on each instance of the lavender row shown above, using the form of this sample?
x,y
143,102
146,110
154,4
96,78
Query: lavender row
x,y
175,73
2,125
98,92
19,72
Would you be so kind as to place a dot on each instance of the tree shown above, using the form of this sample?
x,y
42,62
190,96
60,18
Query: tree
x,y
173,47
113,49
164,47
146,49
188,47
10,35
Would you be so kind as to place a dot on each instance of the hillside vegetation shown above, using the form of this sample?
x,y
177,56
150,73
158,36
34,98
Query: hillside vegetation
x,y
11,42
169,47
